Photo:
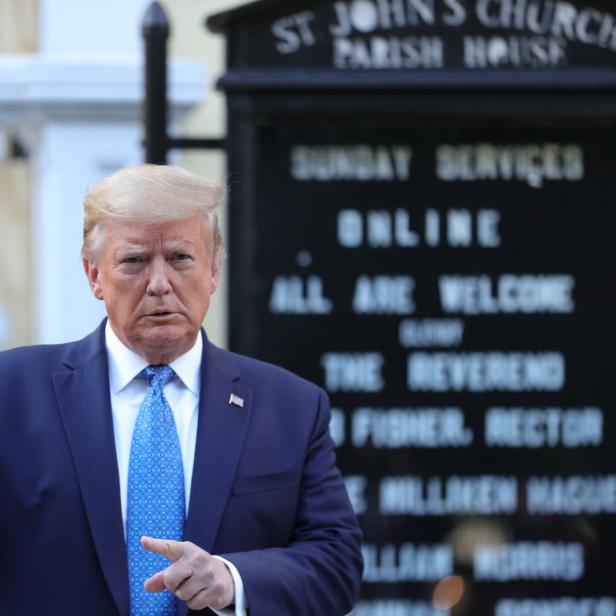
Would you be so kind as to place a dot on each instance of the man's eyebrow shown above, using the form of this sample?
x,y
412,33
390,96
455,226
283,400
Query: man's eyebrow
x,y
179,245
141,249
132,246
132,249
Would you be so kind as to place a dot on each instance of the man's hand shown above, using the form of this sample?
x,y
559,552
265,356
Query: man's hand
x,y
194,575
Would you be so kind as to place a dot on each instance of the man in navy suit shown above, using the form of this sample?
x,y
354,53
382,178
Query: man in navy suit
x,y
265,523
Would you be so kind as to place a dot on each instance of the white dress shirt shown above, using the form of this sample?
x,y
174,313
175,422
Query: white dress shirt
x,y
182,394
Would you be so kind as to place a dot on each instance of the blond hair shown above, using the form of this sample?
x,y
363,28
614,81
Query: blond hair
x,y
147,194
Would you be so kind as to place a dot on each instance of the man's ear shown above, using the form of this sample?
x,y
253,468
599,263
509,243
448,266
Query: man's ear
x,y
216,268
92,273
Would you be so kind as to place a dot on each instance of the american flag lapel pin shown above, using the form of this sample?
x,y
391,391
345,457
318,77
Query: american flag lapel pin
x,y
236,400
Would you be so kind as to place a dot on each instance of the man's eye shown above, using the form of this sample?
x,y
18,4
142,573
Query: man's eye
x,y
181,257
132,260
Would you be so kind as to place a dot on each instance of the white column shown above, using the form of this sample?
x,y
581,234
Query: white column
x,y
71,156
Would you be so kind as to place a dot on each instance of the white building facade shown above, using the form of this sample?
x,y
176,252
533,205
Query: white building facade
x,y
70,110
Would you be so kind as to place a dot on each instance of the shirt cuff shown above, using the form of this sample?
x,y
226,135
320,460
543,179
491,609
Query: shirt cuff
x,y
240,596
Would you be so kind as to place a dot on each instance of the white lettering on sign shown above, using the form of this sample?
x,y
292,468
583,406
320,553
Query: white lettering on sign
x,y
557,606
356,487
560,19
337,426
533,163
454,12
490,371
294,32
399,607
384,295
296,295
353,371
386,52
480,495
350,228
408,562
510,294
391,52
482,52
459,228
430,333
572,495
357,163
526,560
362,33
405,236
549,427
383,230
396,428
365,16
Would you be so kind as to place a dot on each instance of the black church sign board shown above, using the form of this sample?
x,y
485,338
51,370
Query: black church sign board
x,y
422,214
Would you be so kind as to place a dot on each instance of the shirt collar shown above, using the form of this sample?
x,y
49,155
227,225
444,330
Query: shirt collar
x,y
125,364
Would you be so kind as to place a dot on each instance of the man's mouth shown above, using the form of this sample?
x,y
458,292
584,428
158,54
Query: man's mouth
x,y
160,314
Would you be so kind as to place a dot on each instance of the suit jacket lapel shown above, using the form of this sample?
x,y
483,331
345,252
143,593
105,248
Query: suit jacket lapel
x,y
220,436
85,407
84,401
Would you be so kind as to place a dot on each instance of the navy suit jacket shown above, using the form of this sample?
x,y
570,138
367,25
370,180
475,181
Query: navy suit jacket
x,y
265,492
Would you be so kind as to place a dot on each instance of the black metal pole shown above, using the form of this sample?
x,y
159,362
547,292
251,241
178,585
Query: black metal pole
x,y
155,32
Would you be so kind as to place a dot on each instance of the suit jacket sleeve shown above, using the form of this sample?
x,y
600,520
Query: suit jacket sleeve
x,y
319,572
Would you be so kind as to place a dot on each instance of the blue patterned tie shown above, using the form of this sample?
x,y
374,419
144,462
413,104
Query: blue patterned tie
x,y
155,493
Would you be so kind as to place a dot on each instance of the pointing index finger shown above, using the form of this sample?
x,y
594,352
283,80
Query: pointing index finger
x,y
170,549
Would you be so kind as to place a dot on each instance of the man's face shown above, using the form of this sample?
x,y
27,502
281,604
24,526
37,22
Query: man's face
x,y
156,280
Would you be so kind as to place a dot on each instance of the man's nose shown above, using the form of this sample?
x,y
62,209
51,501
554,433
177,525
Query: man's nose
x,y
158,283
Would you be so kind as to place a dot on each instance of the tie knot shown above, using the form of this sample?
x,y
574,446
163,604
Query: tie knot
x,y
158,375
